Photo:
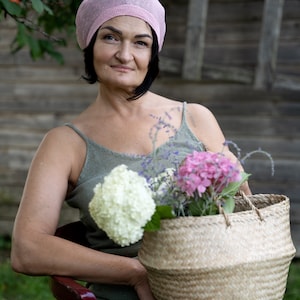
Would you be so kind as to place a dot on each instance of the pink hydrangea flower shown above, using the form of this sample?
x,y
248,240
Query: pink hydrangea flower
x,y
203,170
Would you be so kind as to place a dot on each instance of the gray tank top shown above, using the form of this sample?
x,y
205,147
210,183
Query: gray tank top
x,y
100,161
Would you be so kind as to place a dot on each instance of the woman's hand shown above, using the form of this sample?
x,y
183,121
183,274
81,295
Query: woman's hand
x,y
144,292
141,283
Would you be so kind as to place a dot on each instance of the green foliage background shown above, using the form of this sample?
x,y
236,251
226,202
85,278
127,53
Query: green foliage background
x,y
42,26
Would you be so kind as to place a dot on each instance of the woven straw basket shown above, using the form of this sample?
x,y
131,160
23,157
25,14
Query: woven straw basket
x,y
204,258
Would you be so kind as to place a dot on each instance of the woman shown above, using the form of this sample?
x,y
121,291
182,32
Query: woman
x,y
121,40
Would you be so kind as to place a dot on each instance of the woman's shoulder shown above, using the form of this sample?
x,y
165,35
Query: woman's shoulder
x,y
63,148
199,112
60,134
198,108
61,139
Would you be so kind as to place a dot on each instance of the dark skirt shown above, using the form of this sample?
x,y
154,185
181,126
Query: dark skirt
x,y
113,292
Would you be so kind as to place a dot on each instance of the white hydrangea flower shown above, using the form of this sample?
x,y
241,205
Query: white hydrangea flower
x,y
122,205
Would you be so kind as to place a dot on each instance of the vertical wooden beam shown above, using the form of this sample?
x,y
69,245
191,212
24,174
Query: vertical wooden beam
x,y
195,39
268,45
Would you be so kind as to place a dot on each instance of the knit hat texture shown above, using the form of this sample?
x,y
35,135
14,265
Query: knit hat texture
x,y
92,14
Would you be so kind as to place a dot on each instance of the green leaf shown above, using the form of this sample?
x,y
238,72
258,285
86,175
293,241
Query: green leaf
x,y
228,206
20,40
202,207
57,56
38,6
233,187
35,49
48,10
154,223
165,211
197,207
161,212
12,7
47,47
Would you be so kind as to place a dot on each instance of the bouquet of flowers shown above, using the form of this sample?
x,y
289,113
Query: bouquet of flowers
x,y
188,252
126,204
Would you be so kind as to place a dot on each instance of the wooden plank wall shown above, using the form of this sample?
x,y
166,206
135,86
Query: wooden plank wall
x,y
36,96
233,31
268,44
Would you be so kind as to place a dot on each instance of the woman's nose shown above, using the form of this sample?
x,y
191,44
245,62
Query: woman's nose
x,y
124,53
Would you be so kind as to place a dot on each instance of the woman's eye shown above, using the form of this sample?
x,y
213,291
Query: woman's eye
x,y
109,37
142,43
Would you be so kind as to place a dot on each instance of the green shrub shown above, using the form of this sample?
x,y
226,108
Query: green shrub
x,y
293,284
15,286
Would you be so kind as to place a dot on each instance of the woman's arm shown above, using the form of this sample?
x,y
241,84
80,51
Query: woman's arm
x,y
205,126
35,249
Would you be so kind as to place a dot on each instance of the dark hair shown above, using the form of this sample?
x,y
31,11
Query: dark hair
x,y
153,67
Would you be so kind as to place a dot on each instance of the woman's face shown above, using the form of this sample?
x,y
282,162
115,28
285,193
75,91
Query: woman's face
x,y
122,52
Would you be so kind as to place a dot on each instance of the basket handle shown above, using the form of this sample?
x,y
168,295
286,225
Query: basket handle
x,y
253,207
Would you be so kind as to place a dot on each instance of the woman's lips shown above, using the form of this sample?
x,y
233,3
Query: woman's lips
x,y
122,68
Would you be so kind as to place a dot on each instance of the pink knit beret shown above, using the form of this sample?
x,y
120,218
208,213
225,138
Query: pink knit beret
x,y
92,14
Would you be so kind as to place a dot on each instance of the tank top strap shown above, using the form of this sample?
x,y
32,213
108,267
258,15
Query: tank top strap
x,y
81,134
184,105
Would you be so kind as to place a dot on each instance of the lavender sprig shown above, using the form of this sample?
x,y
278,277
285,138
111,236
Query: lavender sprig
x,y
249,154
